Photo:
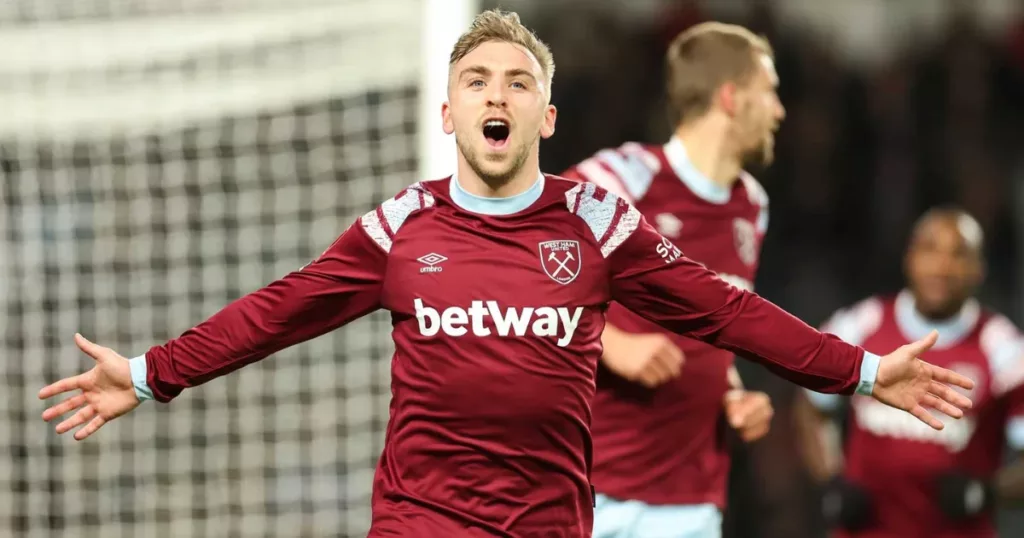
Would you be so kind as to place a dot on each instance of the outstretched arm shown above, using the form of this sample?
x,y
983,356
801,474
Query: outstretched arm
x,y
340,286
654,279
651,277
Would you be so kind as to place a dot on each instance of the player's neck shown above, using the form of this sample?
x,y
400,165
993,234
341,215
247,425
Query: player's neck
x,y
708,149
521,182
940,316
953,322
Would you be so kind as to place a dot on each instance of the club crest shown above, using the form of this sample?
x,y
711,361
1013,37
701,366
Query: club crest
x,y
561,260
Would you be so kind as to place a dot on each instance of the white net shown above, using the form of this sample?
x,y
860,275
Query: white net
x,y
158,160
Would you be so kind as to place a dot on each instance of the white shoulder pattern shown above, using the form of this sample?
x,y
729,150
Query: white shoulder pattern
x,y
384,222
1003,346
855,325
626,171
611,219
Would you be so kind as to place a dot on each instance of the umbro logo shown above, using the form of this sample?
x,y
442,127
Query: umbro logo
x,y
432,261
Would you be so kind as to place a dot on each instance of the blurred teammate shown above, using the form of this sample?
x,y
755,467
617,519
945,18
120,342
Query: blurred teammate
x,y
497,280
899,480
661,462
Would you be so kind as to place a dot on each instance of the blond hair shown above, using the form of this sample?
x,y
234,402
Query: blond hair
x,y
496,25
703,58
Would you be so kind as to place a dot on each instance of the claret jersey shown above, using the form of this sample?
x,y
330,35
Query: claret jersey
x,y
497,308
899,460
667,445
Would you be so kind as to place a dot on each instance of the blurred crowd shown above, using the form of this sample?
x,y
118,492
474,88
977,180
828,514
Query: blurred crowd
x,y
864,150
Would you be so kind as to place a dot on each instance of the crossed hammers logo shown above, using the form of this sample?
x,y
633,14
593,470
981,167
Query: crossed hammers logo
x,y
561,263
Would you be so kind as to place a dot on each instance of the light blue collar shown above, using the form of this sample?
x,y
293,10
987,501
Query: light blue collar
x,y
951,331
495,206
701,185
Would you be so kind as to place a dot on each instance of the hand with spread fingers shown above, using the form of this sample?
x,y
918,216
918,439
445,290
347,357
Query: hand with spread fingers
x,y
906,382
102,394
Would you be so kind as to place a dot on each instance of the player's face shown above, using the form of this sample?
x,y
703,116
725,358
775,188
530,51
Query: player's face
x,y
759,113
498,109
944,265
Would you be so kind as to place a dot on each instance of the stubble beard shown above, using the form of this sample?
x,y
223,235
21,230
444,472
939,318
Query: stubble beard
x,y
760,156
494,180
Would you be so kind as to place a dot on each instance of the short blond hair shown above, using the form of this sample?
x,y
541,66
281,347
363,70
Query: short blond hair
x,y
703,58
497,25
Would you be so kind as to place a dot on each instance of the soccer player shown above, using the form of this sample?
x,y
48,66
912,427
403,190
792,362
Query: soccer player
x,y
497,279
661,460
899,480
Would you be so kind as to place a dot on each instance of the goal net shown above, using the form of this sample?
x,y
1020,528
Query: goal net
x,y
159,159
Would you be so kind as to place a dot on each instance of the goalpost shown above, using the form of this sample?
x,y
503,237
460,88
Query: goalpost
x,y
159,159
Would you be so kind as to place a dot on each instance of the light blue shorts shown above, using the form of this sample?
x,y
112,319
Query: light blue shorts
x,y
634,519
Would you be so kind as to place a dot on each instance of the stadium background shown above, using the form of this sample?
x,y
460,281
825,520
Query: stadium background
x,y
160,158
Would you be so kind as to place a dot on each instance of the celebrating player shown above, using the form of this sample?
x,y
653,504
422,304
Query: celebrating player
x,y
497,279
660,458
900,480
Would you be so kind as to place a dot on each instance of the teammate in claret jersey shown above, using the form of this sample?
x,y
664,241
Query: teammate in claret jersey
x,y
661,460
497,344
899,480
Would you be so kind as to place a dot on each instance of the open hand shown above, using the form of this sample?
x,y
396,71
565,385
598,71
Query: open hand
x,y
906,382
749,413
106,392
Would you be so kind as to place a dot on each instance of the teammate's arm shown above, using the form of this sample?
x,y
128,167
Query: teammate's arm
x,y
1009,481
816,415
962,495
818,439
651,277
732,376
1004,344
338,287
748,412
649,359
1004,340
844,504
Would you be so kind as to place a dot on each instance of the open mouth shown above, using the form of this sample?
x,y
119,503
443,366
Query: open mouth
x,y
496,132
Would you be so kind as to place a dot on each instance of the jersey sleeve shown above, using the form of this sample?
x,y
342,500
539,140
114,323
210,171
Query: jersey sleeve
x,y
1003,345
854,325
341,285
651,277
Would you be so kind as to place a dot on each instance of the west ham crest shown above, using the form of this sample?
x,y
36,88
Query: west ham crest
x,y
745,238
560,260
